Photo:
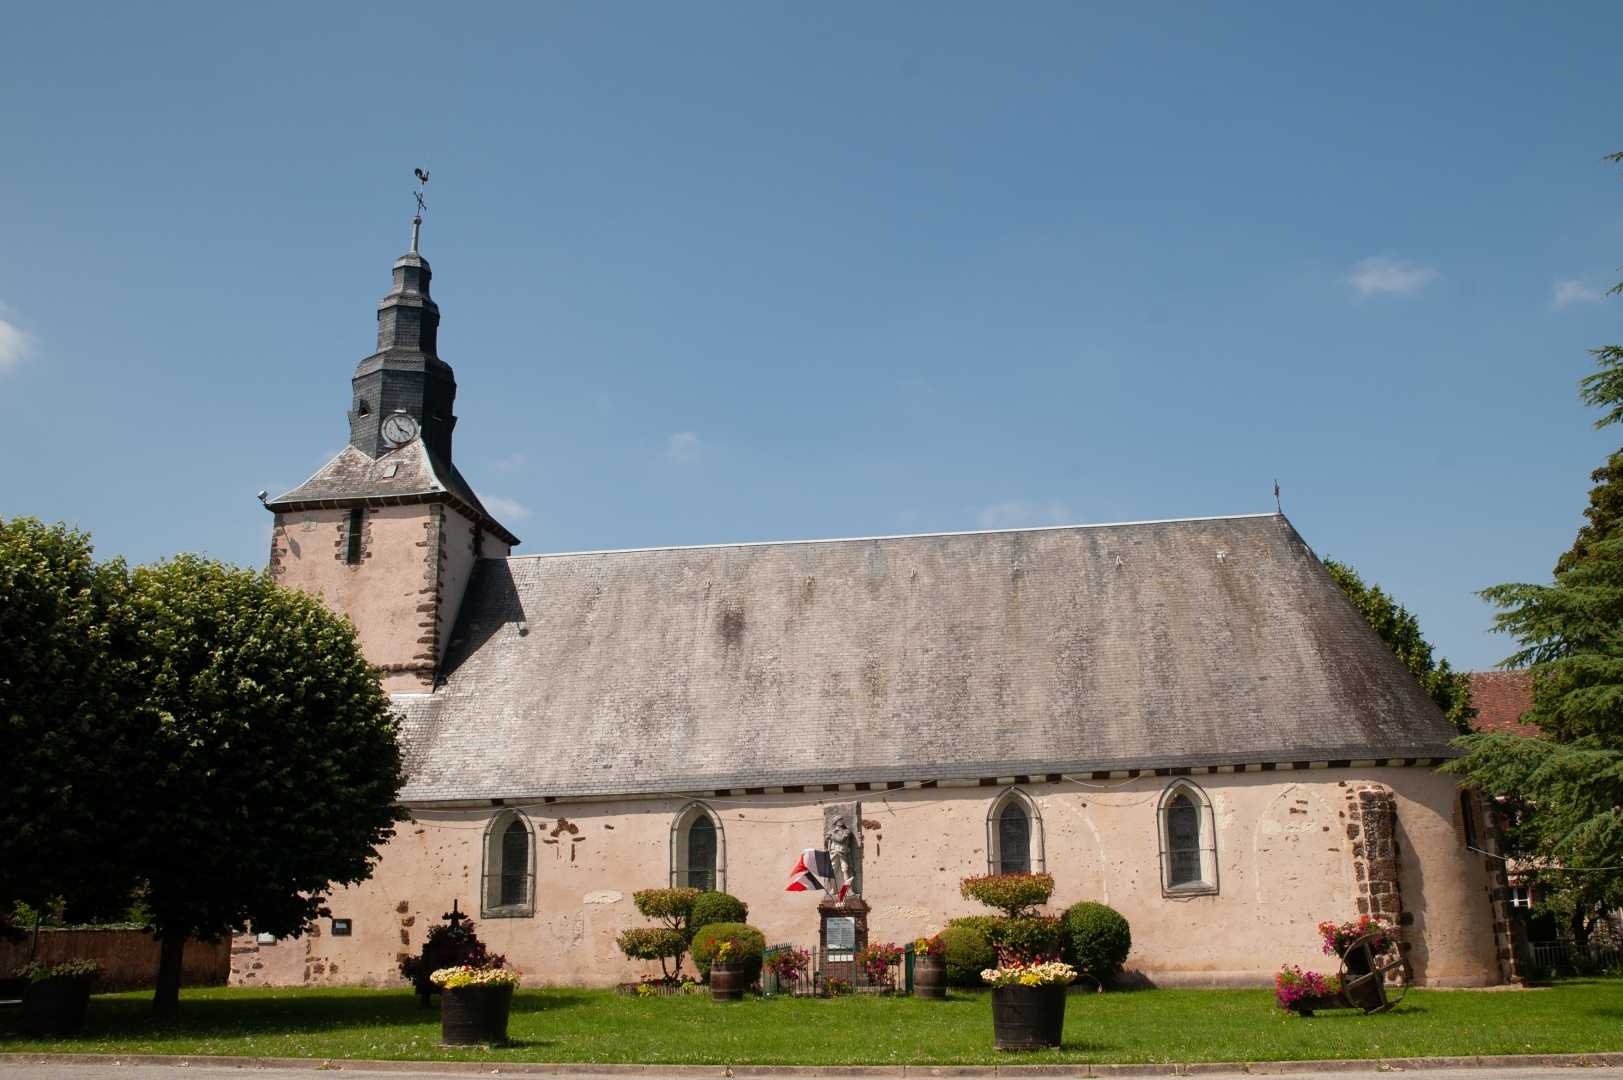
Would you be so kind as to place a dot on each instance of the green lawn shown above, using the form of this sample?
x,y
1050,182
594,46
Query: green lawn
x,y
1573,1015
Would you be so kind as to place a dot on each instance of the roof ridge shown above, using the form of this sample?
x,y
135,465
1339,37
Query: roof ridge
x,y
894,536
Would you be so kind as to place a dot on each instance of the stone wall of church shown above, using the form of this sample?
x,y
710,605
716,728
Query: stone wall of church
x,y
404,592
1293,849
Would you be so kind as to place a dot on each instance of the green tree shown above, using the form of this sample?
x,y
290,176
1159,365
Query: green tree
x,y
1565,790
1450,689
266,762
65,696
674,908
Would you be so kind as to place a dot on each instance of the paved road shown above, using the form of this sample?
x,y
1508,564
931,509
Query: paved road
x,y
426,1071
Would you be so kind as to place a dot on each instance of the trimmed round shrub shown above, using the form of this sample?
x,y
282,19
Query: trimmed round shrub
x,y
653,943
1013,894
1026,939
1099,939
748,945
717,907
675,906
968,953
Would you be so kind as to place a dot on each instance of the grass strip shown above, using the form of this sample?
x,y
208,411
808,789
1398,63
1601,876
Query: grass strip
x,y
567,1025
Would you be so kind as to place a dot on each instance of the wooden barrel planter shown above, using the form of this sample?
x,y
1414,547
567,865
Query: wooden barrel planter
x,y
474,1015
1027,1017
54,1007
727,980
929,977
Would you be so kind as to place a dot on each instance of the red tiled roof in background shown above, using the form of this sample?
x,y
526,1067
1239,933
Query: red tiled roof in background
x,y
1501,698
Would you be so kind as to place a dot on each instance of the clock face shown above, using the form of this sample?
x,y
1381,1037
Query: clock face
x,y
399,428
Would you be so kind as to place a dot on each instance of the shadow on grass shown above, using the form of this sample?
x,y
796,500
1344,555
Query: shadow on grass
x,y
114,1016
538,1001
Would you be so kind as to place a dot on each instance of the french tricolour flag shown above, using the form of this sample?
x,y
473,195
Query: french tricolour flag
x,y
810,872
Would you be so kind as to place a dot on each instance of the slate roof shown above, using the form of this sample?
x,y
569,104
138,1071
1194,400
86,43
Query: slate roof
x,y
417,476
1059,650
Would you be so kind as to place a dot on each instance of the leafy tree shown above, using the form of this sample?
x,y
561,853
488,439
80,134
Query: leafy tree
x,y
266,763
65,696
1450,689
1564,791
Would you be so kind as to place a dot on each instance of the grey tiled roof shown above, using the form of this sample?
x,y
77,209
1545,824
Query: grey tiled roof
x,y
1075,649
418,476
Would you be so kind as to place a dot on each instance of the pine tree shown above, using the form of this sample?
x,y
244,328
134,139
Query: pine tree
x,y
1567,786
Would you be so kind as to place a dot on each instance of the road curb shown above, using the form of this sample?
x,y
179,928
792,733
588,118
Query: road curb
x,y
865,1072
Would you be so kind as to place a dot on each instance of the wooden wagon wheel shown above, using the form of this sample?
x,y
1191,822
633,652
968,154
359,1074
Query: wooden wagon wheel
x,y
1368,990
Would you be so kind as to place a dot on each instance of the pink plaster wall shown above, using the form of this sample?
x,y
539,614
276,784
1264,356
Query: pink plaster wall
x,y
403,595
1282,872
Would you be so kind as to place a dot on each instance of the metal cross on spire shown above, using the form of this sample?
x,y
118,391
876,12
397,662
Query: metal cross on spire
x,y
417,222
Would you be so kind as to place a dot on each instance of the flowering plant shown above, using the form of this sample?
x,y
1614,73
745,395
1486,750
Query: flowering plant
x,y
1052,973
36,971
1015,894
837,987
878,959
723,953
1292,984
786,964
1338,937
456,978
929,947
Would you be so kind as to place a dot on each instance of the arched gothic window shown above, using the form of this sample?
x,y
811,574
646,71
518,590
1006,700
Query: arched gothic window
x,y
1014,835
698,849
1188,841
509,872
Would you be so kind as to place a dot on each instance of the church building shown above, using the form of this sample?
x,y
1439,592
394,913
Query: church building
x,y
1185,720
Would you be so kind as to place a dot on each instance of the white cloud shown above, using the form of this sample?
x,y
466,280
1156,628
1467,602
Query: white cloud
x,y
14,345
1017,512
1380,274
506,508
1573,292
517,461
683,446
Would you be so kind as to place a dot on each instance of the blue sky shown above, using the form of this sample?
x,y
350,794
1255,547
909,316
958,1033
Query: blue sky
x,y
753,271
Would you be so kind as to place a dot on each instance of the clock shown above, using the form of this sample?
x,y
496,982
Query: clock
x,y
399,428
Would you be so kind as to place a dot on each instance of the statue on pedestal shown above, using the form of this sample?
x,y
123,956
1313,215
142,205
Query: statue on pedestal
x,y
842,838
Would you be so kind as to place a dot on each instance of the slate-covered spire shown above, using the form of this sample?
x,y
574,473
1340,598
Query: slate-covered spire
x,y
405,374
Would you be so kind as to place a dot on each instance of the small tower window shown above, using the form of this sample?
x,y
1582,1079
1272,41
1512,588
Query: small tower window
x,y
357,522
1014,835
1468,816
362,408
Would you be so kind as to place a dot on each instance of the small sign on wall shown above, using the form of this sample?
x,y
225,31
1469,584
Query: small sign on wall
x,y
341,928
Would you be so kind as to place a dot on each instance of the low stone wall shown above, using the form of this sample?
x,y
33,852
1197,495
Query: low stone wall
x,y
129,958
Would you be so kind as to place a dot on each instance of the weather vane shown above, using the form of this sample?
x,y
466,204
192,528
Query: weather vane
x,y
417,222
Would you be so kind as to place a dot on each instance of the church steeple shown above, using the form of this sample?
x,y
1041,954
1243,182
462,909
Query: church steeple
x,y
406,373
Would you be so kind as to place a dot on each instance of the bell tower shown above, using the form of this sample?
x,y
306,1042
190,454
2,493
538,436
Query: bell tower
x,y
389,532
406,373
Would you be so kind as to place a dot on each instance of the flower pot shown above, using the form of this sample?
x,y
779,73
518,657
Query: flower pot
x,y
727,980
472,1015
55,1006
1304,1006
929,977
1027,1017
